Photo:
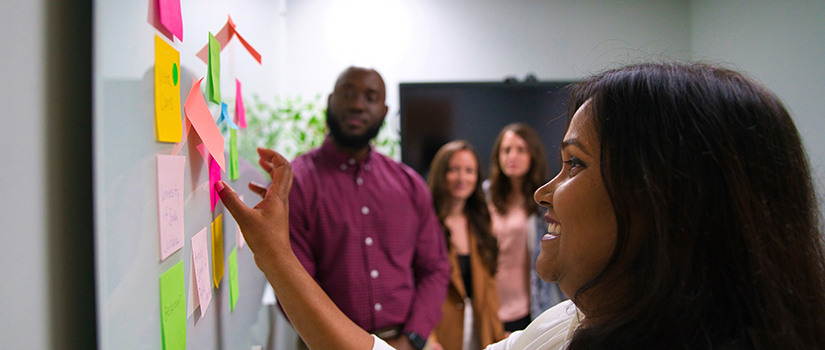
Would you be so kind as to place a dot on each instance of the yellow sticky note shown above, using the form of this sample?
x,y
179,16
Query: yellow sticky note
x,y
168,121
217,250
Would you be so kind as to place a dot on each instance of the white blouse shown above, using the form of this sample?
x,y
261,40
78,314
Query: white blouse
x,y
552,330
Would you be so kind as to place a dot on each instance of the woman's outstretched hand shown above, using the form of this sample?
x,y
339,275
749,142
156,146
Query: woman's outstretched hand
x,y
265,228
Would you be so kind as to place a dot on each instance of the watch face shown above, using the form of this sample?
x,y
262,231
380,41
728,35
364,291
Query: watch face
x,y
416,340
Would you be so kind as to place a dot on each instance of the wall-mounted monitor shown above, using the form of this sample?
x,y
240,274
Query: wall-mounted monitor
x,y
433,114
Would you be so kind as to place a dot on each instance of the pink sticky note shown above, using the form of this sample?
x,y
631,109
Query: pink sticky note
x,y
224,36
170,17
200,265
240,112
214,177
170,203
198,114
154,19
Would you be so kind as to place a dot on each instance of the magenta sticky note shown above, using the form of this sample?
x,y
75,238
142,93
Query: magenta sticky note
x,y
214,177
154,19
170,17
170,203
240,112
200,267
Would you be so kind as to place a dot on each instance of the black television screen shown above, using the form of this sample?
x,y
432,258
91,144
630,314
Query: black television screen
x,y
433,114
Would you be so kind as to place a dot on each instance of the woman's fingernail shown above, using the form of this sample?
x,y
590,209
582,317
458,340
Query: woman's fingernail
x,y
219,186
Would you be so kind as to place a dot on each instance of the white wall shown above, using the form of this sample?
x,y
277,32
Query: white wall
x,y
481,40
24,295
781,44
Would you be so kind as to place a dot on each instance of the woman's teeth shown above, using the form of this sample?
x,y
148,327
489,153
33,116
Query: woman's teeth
x,y
553,229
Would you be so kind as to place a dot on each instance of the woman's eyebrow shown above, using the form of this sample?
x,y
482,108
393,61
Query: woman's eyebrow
x,y
574,142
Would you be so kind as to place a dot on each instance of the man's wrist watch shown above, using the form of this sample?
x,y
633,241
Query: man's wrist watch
x,y
416,340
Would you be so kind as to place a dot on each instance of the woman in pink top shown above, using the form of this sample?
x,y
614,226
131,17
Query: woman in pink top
x,y
518,168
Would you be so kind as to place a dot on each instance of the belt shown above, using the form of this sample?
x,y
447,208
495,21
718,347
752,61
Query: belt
x,y
388,333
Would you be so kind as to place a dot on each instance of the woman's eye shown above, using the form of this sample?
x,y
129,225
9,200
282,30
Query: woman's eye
x,y
575,165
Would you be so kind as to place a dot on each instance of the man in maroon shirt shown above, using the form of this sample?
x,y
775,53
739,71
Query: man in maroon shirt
x,y
364,226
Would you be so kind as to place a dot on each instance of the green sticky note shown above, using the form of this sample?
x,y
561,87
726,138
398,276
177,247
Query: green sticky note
x,y
233,154
173,308
213,76
233,278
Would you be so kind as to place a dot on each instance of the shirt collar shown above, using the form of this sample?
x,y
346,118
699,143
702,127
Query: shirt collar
x,y
331,153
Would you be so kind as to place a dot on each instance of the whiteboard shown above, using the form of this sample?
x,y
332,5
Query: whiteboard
x,y
127,258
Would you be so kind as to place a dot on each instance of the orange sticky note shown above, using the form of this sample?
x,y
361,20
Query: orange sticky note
x,y
217,250
167,92
201,119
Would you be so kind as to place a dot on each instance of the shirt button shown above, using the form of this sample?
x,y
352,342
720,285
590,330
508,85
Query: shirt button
x,y
343,167
367,167
374,273
377,306
351,161
368,241
365,210
359,181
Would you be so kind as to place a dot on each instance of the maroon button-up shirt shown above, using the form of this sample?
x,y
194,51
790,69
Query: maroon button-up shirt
x,y
368,233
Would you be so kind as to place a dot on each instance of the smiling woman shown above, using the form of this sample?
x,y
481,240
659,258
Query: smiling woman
x,y
675,224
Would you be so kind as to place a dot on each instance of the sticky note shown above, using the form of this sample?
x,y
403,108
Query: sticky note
x,y
240,112
213,75
225,117
173,308
170,17
168,124
201,119
233,279
217,250
154,19
224,36
170,203
214,177
233,154
200,267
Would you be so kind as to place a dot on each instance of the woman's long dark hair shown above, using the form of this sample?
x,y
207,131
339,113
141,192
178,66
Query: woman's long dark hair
x,y
475,208
537,175
709,166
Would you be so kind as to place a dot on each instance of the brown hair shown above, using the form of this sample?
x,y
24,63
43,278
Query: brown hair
x,y
710,166
475,208
500,185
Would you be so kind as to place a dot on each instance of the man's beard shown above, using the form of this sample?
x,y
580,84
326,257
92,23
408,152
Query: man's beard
x,y
349,141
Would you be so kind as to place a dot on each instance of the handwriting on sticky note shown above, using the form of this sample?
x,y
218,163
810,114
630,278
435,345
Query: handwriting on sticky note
x,y
170,203
200,265
173,308
168,123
